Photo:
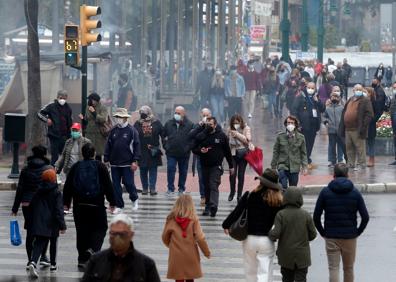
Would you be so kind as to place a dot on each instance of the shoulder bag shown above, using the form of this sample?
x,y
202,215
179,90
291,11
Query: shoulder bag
x,y
239,229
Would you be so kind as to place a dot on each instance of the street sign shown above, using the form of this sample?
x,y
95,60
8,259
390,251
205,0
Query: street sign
x,y
257,33
262,9
305,56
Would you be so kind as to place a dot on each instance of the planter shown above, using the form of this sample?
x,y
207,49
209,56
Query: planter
x,y
384,146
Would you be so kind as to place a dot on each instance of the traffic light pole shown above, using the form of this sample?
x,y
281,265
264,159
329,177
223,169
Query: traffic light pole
x,y
285,27
84,86
321,32
304,27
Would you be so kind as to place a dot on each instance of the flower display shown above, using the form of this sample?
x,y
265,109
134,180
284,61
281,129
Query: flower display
x,y
384,126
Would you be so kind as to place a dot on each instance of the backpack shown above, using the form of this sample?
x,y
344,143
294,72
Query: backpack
x,y
86,179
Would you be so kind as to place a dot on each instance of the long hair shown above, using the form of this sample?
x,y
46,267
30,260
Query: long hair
x,y
239,118
183,207
217,81
273,198
370,93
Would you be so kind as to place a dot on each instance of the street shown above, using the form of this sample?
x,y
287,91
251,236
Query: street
x,y
375,260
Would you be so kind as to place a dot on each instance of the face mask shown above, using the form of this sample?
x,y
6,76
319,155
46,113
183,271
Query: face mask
x,y
237,126
75,134
204,119
337,93
209,68
251,67
310,91
232,72
373,85
394,91
358,93
143,115
290,127
90,103
177,117
334,101
119,121
119,244
62,101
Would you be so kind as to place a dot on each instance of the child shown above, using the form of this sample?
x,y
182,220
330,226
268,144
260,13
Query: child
x,y
47,220
182,233
332,115
294,228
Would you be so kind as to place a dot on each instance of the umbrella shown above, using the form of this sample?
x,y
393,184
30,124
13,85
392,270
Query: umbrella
x,y
255,160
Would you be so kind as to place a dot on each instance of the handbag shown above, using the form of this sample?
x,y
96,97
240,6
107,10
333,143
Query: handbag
x,y
155,151
241,153
239,229
15,234
106,127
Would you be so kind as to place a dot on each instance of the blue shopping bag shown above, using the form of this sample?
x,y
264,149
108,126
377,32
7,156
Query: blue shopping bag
x,y
15,234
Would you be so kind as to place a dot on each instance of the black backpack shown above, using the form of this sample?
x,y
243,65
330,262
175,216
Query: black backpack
x,y
86,179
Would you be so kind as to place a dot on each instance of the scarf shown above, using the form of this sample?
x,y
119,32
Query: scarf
x,y
183,223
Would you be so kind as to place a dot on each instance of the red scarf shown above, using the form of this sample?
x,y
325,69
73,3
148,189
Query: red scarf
x,y
183,222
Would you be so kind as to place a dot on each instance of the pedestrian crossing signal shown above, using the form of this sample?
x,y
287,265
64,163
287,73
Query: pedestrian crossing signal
x,y
72,45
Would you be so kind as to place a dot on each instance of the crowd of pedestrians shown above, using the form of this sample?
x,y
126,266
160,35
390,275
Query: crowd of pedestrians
x,y
100,159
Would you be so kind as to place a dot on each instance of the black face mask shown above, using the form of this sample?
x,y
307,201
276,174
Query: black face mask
x,y
143,116
373,85
90,103
334,101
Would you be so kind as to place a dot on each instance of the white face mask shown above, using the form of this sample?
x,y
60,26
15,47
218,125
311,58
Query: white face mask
x,y
337,93
237,126
119,121
204,119
310,91
290,127
62,101
394,91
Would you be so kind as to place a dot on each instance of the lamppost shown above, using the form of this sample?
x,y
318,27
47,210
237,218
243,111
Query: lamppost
x,y
321,32
304,27
285,27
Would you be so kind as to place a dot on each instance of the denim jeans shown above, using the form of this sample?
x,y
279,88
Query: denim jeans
x,y
217,104
335,149
148,177
287,178
171,172
200,177
371,147
273,109
127,176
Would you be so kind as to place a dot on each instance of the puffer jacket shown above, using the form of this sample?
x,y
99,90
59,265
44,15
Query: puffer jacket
x,y
340,201
332,117
293,250
29,180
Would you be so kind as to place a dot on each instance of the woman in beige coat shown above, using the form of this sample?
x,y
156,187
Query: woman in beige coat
x,y
182,235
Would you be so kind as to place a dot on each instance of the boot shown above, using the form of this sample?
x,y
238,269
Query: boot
x,y
370,162
231,196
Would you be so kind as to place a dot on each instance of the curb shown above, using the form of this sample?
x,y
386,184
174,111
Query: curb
x,y
306,190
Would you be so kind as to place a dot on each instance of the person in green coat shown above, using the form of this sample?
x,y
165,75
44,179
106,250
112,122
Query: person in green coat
x,y
294,228
290,153
95,117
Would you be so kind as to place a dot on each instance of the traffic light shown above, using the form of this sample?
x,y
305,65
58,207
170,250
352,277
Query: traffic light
x,y
87,24
72,45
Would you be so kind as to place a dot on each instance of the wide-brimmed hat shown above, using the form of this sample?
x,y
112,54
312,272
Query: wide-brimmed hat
x,y
121,112
270,179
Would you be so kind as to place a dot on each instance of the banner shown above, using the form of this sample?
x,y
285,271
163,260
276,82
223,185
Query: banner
x,y
257,33
262,9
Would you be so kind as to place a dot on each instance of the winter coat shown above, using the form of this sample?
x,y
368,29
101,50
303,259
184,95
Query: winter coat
x,y
219,148
332,117
241,140
46,211
151,137
302,109
340,201
289,153
184,259
252,80
175,138
29,180
123,146
64,160
364,113
324,92
348,71
379,73
293,251
260,215
52,111
340,76
136,266
217,91
93,121
204,82
240,86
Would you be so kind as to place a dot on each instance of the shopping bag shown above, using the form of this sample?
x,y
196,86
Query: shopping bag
x,y
255,160
15,234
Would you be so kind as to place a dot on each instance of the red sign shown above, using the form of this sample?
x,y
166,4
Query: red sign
x,y
257,33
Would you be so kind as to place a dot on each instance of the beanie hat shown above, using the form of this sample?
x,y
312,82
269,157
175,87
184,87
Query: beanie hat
x,y
269,179
39,151
49,175
94,96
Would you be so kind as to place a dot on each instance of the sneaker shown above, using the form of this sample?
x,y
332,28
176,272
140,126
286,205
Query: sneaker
x,y
330,164
27,265
170,193
66,212
145,192
153,193
81,265
213,212
250,115
53,268
135,205
205,212
203,201
356,168
117,211
33,270
44,261
180,193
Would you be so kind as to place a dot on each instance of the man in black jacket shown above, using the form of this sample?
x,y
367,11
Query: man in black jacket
x,y
178,148
212,146
58,117
121,262
204,82
340,201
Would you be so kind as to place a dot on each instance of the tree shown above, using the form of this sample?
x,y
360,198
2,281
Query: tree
x,y
35,126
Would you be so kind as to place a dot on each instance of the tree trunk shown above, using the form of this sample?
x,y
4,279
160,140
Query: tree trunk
x,y
35,127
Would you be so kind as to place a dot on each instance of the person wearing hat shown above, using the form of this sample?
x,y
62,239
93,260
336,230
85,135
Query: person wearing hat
x,y
122,151
72,151
95,117
290,153
262,205
58,117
